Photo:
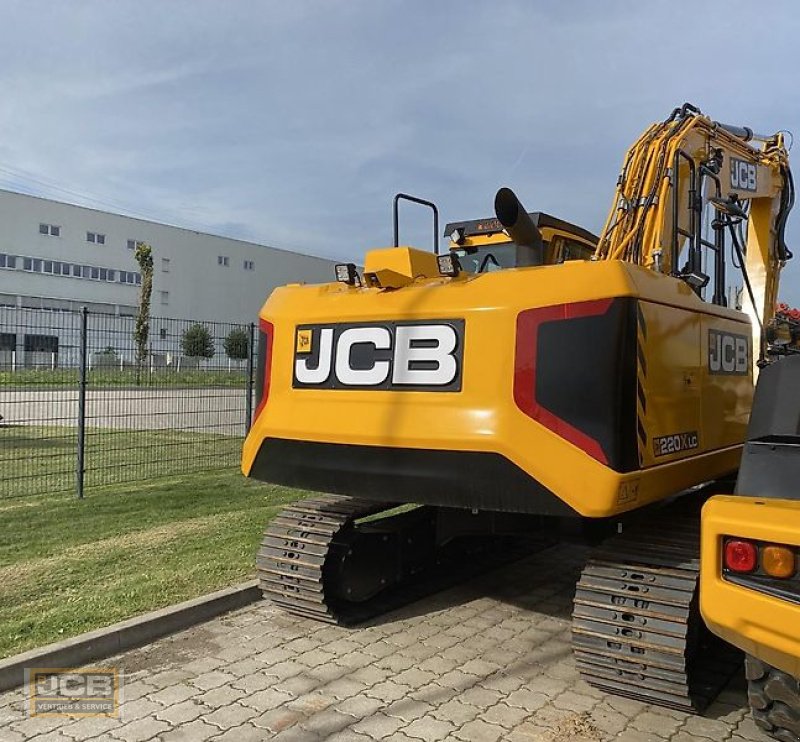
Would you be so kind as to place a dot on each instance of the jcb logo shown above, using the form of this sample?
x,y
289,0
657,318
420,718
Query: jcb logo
x,y
728,353
743,175
391,355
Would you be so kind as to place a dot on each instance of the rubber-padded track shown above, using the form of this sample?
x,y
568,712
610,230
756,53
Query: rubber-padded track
x,y
775,700
637,630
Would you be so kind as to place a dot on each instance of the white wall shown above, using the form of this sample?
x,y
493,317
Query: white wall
x,y
198,287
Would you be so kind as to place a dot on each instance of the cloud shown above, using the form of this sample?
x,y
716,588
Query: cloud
x,y
295,123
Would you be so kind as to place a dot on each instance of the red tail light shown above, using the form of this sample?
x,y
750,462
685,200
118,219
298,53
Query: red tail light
x,y
266,334
740,556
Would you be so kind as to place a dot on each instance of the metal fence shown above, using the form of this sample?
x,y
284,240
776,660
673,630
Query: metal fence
x,y
80,407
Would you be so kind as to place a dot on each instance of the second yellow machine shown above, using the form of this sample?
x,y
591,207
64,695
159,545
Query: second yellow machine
x,y
533,381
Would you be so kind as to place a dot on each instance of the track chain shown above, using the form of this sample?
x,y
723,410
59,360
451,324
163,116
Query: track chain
x,y
295,548
637,630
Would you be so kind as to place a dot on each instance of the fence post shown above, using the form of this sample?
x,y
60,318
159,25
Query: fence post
x,y
82,361
251,341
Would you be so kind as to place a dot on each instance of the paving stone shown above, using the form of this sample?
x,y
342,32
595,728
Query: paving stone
x,y
219,697
607,720
414,677
501,682
702,727
634,735
749,730
388,691
248,684
348,735
89,726
408,709
379,725
457,679
9,735
140,730
265,700
327,722
655,723
400,737
456,712
230,716
212,679
480,731
526,699
173,694
135,689
243,733
194,731
504,715
481,697
34,725
429,729
167,678
180,713
359,707
572,701
284,670
344,687
434,694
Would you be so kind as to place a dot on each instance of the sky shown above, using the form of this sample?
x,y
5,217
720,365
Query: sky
x,y
294,123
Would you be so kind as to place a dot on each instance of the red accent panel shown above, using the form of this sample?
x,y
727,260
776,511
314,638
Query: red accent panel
x,y
265,328
528,323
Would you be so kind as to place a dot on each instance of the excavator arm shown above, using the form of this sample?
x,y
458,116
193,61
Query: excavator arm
x,y
687,187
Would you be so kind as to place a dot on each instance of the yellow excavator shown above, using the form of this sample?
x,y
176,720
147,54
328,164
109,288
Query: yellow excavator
x,y
534,383
750,583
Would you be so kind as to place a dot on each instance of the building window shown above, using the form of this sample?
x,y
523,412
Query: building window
x,y
165,265
249,265
132,244
8,261
48,266
53,230
222,260
97,239
162,333
165,297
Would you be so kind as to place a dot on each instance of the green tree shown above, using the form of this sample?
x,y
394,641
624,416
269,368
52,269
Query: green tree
x,y
141,328
196,342
236,343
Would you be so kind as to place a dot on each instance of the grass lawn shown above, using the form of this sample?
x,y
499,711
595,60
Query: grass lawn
x,y
109,378
69,566
37,459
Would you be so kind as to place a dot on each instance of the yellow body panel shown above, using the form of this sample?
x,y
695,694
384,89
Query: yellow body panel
x,y
761,625
483,416
394,267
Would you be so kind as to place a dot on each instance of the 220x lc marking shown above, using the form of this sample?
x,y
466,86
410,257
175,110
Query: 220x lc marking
x,y
402,356
675,443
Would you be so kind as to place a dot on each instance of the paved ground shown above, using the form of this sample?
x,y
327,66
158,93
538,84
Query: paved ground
x,y
196,409
487,661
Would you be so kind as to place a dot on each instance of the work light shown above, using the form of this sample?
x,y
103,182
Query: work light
x,y
346,273
448,264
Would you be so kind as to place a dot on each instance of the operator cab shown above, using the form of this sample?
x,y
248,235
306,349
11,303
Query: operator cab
x,y
484,245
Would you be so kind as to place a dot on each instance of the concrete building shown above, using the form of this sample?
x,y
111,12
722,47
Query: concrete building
x,y
58,257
